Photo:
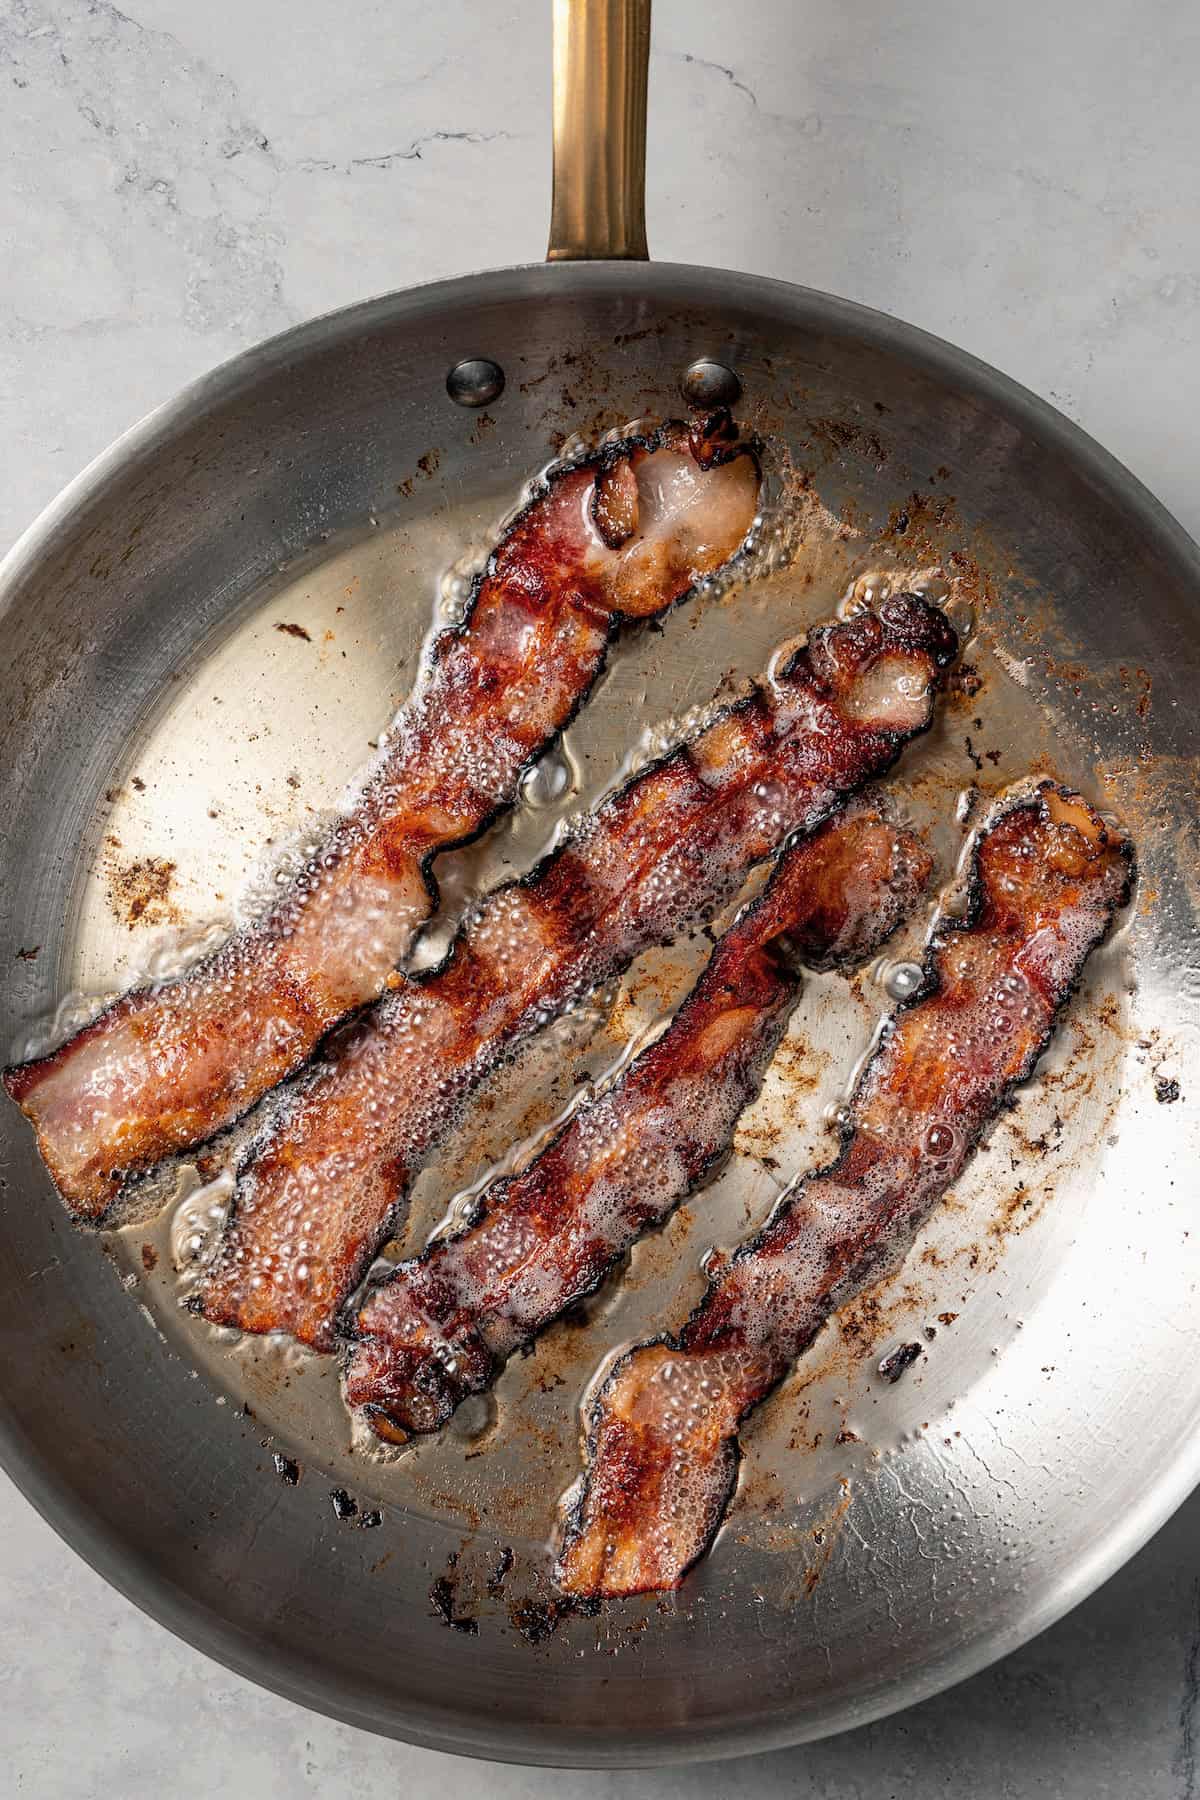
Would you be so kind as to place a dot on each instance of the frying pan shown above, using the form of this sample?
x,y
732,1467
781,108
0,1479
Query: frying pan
x,y
323,480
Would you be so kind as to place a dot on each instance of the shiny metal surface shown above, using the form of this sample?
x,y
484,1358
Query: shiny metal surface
x,y
475,381
709,383
601,67
887,1539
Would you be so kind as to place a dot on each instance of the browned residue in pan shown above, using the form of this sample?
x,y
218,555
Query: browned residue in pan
x,y
823,1536
142,892
809,1542
838,437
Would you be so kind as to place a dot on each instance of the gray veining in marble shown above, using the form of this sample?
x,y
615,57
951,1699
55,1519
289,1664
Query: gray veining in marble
x,y
180,180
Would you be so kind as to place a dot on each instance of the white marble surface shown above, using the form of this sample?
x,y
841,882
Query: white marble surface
x,y
179,180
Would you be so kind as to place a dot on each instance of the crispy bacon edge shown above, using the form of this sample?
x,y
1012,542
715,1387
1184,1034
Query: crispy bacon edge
x,y
711,440
906,626
421,1346
615,1511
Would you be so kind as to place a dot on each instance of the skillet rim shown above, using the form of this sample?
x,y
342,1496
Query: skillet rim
x,y
114,1558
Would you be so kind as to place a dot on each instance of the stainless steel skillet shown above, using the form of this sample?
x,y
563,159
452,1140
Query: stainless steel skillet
x,y
987,1492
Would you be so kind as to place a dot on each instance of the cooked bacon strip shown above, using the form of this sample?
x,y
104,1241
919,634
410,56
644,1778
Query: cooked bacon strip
x,y
666,849
444,1324
662,1431
620,536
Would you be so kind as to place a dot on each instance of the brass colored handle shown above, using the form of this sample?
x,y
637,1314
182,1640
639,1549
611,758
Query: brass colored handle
x,y
601,54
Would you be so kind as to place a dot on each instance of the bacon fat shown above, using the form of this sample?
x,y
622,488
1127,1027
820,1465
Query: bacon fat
x,y
661,1433
322,1187
443,1325
622,535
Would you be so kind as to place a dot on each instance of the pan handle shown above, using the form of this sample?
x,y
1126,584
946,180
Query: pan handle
x,y
601,54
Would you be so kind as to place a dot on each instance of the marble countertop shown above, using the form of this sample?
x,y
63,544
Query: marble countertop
x,y
178,181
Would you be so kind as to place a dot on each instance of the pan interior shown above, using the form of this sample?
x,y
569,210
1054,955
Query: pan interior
x,y
208,644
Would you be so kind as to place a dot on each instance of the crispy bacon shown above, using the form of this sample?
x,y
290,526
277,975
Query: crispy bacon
x,y
443,1325
1047,876
622,535
322,1187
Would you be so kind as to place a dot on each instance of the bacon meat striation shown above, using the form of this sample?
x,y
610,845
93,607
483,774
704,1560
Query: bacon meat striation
x,y
444,1324
622,535
322,1186
661,1433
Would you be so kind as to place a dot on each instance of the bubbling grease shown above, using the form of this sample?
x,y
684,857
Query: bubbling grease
x,y
197,1220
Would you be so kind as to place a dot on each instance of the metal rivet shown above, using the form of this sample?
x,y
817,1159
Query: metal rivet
x,y
476,381
709,383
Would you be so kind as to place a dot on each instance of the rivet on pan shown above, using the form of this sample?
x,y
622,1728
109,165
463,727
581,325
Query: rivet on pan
x,y
709,383
476,381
